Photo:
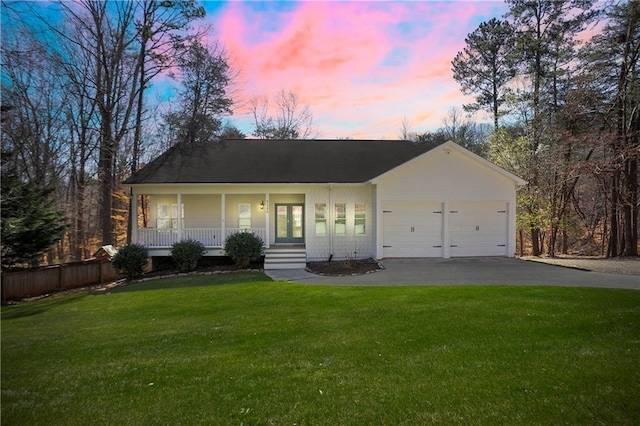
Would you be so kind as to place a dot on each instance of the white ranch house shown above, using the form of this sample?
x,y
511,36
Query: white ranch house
x,y
315,199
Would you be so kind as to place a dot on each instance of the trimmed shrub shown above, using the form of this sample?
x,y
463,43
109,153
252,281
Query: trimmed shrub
x,y
131,260
186,253
243,247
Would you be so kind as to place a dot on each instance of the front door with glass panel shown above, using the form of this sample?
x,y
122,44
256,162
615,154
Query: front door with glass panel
x,y
289,223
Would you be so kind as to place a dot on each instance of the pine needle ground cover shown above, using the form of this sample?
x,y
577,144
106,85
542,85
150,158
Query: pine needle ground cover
x,y
240,349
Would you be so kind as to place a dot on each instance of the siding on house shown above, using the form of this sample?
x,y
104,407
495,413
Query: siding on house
x,y
202,211
438,176
203,208
348,245
475,200
232,203
448,176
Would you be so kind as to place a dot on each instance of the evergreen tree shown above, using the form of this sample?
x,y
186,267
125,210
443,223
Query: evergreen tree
x,y
31,225
611,65
544,39
484,67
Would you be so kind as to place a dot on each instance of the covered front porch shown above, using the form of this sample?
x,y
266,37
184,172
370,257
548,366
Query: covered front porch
x,y
164,219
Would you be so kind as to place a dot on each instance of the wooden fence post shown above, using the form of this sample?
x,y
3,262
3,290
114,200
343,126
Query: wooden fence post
x,y
59,287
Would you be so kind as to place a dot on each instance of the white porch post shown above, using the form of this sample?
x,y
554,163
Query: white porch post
x,y
223,220
266,218
179,213
134,219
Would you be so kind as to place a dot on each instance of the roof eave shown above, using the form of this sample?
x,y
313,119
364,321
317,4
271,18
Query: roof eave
x,y
250,183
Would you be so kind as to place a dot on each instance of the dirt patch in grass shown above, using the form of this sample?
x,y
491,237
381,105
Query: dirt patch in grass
x,y
344,267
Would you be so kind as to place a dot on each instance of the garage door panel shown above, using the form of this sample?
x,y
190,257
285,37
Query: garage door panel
x,y
412,229
415,229
478,228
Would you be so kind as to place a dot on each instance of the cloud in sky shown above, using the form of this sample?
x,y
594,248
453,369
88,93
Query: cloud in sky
x,y
362,66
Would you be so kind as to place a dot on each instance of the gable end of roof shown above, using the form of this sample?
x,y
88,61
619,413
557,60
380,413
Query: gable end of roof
x,y
449,145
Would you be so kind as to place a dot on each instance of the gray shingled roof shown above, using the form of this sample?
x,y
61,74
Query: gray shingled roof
x,y
279,161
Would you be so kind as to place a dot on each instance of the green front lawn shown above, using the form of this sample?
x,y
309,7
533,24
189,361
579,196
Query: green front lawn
x,y
240,349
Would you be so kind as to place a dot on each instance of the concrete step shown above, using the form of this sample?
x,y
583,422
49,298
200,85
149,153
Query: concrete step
x,y
276,266
285,258
285,250
281,258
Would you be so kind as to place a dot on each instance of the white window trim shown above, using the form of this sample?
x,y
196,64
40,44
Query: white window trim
x,y
323,219
355,225
336,218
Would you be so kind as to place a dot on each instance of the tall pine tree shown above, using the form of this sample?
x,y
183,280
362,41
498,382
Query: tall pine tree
x,y
484,67
544,32
611,63
30,223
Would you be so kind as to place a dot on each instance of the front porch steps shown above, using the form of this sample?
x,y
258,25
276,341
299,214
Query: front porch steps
x,y
285,257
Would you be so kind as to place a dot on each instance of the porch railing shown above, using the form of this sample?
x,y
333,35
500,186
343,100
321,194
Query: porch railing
x,y
210,237
153,237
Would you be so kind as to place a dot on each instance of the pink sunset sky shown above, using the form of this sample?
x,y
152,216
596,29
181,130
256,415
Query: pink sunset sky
x,y
361,66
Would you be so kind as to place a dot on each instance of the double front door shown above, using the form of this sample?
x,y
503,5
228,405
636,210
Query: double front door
x,y
290,223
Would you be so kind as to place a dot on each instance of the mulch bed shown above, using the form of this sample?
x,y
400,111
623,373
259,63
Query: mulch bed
x,y
199,269
344,267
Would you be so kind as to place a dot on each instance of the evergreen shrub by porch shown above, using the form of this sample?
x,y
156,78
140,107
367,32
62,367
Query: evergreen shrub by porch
x,y
186,253
131,260
243,247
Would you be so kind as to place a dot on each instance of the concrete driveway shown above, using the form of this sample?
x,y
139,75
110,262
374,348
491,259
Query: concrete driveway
x,y
467,271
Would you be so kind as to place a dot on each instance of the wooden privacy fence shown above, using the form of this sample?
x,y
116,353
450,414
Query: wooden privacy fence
x,y
39,281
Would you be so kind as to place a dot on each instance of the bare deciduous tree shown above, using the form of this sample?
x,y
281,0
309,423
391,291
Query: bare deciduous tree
x,y
203,99
99,57
290,120
405,130
460,129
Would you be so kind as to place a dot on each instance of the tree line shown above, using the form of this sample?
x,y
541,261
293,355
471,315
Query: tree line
x,y
560,81
75,109
566,117
79,115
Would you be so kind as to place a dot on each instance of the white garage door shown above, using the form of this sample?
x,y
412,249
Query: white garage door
x,y
478,228
412,229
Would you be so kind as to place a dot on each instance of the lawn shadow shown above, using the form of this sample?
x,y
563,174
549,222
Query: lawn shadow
x,y
191,281
36,307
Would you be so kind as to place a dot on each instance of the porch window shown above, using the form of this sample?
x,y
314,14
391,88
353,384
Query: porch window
x,y
321,219
174,215
360,219
340,219
168,218
244,216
